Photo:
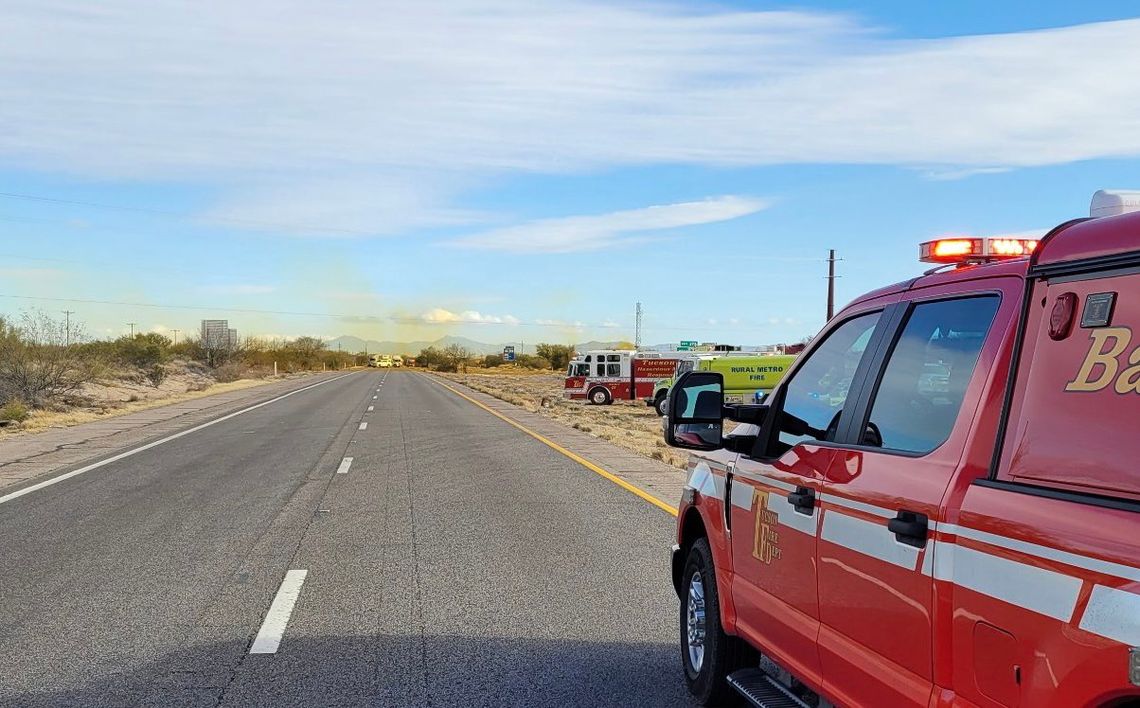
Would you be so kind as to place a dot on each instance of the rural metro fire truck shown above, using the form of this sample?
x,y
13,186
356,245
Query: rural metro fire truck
x,y
939,504
606,375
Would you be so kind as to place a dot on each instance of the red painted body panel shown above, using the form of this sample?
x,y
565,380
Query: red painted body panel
x,y
1094,238
1018,598
775,589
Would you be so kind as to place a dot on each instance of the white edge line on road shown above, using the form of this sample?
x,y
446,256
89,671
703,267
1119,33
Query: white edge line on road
x,y
115,458
364,426
344,465
273,628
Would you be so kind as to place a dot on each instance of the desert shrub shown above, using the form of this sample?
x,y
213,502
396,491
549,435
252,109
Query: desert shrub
x,y
144,351
14,410
490,361
558,355
38,360
156,375
229,372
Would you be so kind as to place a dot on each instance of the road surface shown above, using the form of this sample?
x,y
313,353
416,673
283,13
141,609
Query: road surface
x,y
455,561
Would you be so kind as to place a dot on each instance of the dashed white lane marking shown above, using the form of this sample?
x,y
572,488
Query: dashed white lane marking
x,y
374,398
364,426
156,443
344,465
371,408
273,628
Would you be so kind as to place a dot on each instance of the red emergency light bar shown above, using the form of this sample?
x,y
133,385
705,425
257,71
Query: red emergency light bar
x,y
974,250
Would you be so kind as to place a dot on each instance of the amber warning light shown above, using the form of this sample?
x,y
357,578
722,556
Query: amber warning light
x,y
974,250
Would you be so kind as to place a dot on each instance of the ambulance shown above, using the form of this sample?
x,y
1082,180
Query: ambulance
x,y
939,504
748,377
606,375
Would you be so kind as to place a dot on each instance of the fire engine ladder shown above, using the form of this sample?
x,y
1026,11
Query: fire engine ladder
x,y
762,691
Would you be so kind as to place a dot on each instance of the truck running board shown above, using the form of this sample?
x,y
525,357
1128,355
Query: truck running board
x,y
762,691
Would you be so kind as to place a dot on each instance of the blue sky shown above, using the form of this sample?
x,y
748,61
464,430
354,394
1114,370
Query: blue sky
x,y
516,171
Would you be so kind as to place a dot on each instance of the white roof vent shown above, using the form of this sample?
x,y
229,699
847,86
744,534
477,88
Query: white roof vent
x,y
1111,202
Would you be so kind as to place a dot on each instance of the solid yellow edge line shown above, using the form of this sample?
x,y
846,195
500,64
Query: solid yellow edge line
x,y
555,446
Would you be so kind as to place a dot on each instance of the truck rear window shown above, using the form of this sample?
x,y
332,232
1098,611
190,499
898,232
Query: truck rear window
x,y
1072,424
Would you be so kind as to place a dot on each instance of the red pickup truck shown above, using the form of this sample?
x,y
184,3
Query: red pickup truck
x,y
940,503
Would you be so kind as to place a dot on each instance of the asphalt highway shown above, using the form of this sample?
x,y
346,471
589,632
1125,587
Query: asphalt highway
x,y
454,561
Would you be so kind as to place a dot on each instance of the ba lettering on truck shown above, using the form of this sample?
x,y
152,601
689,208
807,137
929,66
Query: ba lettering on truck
x,y
748,377
939,503
606,375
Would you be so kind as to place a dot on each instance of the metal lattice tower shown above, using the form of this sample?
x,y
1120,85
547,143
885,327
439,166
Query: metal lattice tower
x,y
637,328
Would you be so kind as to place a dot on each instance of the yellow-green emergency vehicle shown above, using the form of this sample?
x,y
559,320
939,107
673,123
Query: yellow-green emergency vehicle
x,y
748,377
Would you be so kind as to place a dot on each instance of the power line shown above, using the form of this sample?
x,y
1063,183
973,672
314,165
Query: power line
x,y
367,318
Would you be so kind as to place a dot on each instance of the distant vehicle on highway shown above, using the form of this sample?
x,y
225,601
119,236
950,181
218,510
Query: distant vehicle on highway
x,y
381,361
939,504
605,375
748,377
397,361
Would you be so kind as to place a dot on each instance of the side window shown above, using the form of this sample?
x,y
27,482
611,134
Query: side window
x,y
814,398
601,369
917,400
613,357
613,369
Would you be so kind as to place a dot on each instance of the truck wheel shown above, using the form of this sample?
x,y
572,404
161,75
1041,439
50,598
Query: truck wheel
x,y
600,396
707,653
659,404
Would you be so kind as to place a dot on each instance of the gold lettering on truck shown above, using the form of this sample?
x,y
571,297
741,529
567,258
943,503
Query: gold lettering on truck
x,y
765,538
1100,365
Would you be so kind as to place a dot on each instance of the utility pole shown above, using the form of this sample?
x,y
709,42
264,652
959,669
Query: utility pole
x,y
831,276
132,326
67,327
637,328
176,331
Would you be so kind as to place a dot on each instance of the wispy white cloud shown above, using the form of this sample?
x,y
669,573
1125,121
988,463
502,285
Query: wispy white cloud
x,y
237,289
576,324
438,315
946,175
373,117
31,273
590,233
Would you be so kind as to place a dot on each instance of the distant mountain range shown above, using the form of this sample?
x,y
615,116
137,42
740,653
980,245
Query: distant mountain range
x,y
356,345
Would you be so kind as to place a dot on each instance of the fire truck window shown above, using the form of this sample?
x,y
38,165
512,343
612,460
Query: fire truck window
x,y
815,396
613,369
601,369
613,357
927,373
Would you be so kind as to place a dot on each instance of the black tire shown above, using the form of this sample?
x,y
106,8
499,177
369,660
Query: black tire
x,y
600,396
722,654
659,403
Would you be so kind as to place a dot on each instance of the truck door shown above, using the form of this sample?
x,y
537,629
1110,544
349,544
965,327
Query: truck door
x,y
774,500
901,448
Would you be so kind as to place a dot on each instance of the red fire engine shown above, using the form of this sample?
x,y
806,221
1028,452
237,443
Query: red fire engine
x,y
606,375
939,505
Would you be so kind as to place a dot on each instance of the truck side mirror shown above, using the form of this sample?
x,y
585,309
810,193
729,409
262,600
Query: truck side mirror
x,y
694,420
